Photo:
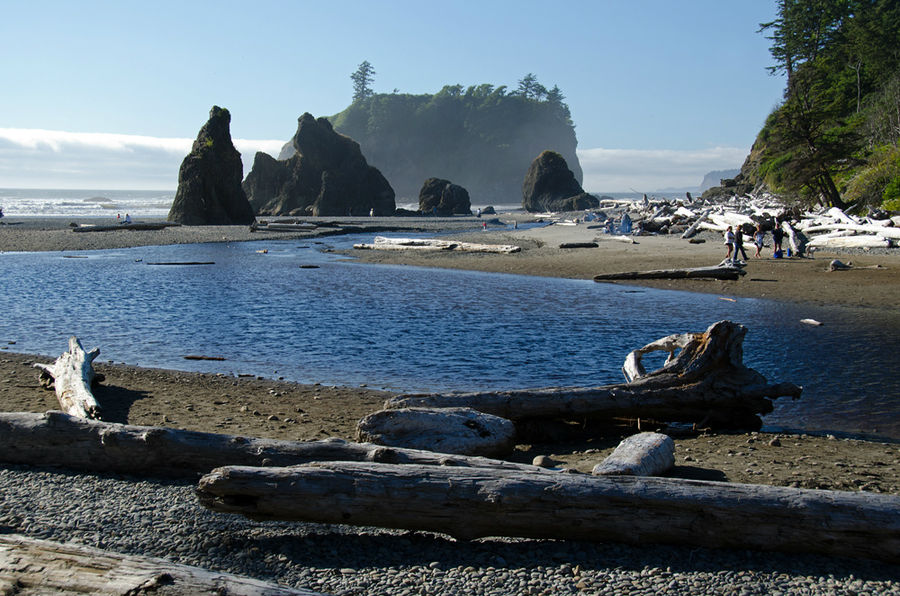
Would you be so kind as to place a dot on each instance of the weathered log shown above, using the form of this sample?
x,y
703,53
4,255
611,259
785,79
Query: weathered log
x,y
579,245
447,430
634,369
72,375
717,272
473,503
692,229
57,439
643,454
864,241
883,231
33,566
126,226
432,244
797,244
707,379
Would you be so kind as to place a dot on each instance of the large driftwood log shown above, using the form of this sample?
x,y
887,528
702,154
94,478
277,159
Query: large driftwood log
x,y
797,243
57,439
472,503
72,375
716,272
446,430
688,233
433,244
707,380
643,454
32,566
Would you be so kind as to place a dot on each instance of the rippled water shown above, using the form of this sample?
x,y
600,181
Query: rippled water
x,y
412,329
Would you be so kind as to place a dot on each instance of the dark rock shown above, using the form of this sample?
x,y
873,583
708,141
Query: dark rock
x,y
442,197
551,186
327,175
489,210
209,181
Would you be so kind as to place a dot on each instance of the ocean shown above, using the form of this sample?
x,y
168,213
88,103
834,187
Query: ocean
x,y
41,202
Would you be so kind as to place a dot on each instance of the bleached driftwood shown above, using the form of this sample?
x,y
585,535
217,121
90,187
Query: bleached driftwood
x,y
634,369
716,272
883,231
472,503
692,229
797,246
707,380
72,375
866,241
643,454
432,244
447,430
57,439
126,226
33,566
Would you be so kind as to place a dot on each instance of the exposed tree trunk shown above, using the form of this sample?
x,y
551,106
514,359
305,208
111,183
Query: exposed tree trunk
x,y
797,245
57,439
693,227
707,380
472,503
643,454
32,566
432,244
72,375
718,272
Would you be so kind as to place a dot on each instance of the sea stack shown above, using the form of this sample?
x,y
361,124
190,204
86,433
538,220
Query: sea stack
x,y
551,186
327,175
209,181
442,197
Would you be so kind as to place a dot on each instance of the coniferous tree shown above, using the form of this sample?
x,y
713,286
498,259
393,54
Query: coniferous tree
x,y
362,81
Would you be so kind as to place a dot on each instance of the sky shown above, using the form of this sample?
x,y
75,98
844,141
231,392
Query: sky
x,y
110,95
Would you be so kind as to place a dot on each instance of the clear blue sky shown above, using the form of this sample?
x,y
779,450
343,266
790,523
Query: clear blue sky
x,y
653,79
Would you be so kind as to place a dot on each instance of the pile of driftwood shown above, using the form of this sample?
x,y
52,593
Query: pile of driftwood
x,y
823,228
434,244
469,496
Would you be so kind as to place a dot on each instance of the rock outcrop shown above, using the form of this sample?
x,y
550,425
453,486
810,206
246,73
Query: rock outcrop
x,y
327,175
442,197
209,181
551,186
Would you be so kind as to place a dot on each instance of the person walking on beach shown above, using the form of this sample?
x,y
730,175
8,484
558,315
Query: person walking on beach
x,y
758,237
729,244
739,243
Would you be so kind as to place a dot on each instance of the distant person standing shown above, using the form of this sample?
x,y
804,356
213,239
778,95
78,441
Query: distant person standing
x,y
729,243
127,218
758,237
739,243
777,238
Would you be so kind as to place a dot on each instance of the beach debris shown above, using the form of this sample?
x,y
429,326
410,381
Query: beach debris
x,y
129,226
181,262
198,357
47,440
34,566
470,503
72,375
447,430
811,322
707,380
579,245
434,244
725,272
643,454
836,265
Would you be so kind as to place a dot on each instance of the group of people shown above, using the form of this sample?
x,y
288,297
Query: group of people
x,y
734,242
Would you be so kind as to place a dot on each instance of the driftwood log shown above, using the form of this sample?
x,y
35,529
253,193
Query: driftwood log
x,y
446,430
716,272
433,244
643,454
472,503
57,439
707,381
72,374
32,566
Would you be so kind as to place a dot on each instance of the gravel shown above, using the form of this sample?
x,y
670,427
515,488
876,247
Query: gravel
x,y
162,518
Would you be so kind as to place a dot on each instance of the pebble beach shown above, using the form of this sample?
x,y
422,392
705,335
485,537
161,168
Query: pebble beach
x,y
162,518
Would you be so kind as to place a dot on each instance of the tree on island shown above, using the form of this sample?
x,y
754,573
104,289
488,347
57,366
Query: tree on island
x,y
362,81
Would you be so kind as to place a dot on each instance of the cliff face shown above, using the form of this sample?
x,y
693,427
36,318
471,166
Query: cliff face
x,y
326,175
481,139
209,180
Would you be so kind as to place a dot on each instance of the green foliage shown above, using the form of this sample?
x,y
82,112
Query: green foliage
x,y
870,184
842,99
362,79
480,137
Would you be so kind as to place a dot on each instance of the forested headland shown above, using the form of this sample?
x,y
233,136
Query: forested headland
x,y
833,140
481,137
